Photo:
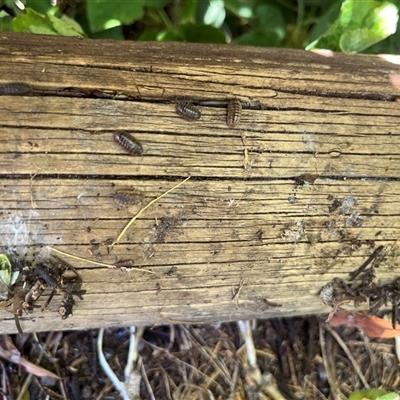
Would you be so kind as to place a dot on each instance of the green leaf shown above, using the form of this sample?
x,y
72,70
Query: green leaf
x,y
113,33
40,6
202,34
370,394
5,269
150,34
66,26
33,22
257,38
9,3
270,20
5,21
170,35
193,33
353,14
241,8
156,4
325,21
357,40
13,5
360,25
7,275
270,28
389,396
188,11
105,14
383,20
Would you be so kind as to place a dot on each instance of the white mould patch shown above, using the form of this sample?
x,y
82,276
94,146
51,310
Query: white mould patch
x,y
24,237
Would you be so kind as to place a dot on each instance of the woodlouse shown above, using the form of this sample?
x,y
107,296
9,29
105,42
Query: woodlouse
x,y
188,111
129,143
127,196
15,89
233,112
124,264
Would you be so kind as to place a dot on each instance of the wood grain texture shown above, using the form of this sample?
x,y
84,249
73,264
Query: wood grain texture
x,y
315,132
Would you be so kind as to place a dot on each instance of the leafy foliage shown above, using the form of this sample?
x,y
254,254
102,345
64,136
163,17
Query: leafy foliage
x,y
104,14
359,26
48,24
6,274
339,25
374,394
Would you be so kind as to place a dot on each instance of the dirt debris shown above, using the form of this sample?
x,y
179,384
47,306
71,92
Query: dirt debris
x,y
205,362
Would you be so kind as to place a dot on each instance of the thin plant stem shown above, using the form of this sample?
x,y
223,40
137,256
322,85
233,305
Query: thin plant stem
x,y
141,211
107,369
95,262
343,345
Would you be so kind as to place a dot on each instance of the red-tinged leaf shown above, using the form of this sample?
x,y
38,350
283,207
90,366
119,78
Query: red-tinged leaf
x,y
36,369
373,326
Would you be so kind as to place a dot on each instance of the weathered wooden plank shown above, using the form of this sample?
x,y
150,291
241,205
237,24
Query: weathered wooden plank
x,y
260,205
285,70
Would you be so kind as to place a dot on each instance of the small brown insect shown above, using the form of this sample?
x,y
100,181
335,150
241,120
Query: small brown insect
x,y
129,143
126,197
233,112
15,89
124,264
188,111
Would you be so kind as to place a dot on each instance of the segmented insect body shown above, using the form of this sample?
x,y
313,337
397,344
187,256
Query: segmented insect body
x,y
124,264
188,111
15,89
129,143
126,197
233,112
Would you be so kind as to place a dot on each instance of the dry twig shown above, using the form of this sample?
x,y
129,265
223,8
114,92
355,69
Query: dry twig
x,y
328,370
141,211
343,345
96,262
235,297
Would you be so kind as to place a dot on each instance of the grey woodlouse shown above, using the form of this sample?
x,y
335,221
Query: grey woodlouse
x,y
129,143
233,112
124,264
188,111
127,196
15,89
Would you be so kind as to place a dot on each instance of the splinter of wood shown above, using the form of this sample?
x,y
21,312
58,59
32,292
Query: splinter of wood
x,y
235,297
366,263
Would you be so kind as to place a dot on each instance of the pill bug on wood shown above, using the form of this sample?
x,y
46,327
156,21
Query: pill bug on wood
x,y
124,264
188,111
233,112
129,143
15,89
127,196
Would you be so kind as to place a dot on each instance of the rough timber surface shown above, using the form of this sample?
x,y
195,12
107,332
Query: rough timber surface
x,y
316,130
